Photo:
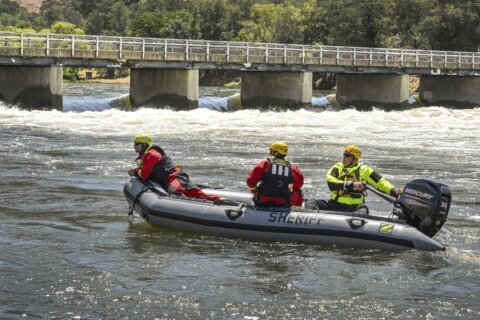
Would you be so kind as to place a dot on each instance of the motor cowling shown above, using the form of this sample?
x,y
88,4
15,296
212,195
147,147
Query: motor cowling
x,y
425,204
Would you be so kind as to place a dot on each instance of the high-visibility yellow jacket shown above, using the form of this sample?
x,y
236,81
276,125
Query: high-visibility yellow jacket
x,y
340,181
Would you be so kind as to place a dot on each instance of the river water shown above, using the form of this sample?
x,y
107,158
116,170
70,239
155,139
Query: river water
x,y
69,251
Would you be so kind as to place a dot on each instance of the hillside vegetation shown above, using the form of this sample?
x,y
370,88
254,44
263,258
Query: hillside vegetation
x,y
417,24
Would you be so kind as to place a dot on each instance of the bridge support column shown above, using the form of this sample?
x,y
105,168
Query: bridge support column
x,y
261,89
450,91
177,89
364,91
32,87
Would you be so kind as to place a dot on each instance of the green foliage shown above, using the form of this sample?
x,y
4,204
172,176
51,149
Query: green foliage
x,y
450,27
11,14
110,17
173,24
63,28
263,25
71,73
9,7
422,24
19,30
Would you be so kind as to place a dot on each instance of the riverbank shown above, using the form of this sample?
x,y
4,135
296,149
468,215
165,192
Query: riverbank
x,y
123,80
235,83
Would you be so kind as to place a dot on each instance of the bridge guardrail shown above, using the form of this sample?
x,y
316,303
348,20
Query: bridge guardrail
x,y
153,49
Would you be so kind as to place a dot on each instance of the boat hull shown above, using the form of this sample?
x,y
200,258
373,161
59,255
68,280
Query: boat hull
x,y
246,221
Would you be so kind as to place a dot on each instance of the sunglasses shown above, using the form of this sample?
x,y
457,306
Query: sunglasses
x,y
347,155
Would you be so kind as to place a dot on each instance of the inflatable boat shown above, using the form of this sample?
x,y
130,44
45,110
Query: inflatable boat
x,y
416,217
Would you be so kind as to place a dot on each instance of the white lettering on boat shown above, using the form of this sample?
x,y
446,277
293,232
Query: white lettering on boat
x,y
417,193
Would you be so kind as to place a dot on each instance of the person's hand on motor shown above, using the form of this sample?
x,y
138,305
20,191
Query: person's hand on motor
x,y
396,192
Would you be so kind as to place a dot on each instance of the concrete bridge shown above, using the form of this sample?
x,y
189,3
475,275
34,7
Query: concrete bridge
x,y
165,71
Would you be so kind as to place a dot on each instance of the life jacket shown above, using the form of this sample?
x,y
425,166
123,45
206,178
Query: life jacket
x,y
162,169
274,189
349,197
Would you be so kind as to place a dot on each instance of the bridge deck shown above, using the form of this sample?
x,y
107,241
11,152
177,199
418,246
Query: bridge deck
x,y
106,51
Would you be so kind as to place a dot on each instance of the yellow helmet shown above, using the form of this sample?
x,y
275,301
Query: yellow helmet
x,y
280,147
354,150
143,138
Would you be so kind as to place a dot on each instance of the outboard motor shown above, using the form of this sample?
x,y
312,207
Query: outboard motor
x,y
425,205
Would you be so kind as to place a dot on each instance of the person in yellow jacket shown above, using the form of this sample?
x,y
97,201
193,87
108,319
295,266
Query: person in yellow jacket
x,y
347,181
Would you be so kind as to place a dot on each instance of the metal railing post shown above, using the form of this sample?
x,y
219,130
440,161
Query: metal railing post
x,y
445,60
303,54
143,49
73,45
266,53
228,51
370,57
248,52
120,54
401,58
354,57
321,55
186,50
97,48
431,59
165,52
338,56
208,50
459,60
285,53
48,45
416,58
21,44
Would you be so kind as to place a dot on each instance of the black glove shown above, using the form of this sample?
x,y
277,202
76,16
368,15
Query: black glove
x,y
348,186
396,192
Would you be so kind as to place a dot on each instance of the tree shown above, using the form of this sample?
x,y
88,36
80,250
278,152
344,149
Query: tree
x,y
9,7
405,17
292,23
350,23
110,17
11,14
176,24
212,15
64,28
263,24
450,27
57,11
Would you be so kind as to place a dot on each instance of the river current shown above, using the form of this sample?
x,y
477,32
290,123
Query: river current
x,y
69,251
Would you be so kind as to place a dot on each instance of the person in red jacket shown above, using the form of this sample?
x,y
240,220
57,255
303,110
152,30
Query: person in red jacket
x,y
275,182
154,164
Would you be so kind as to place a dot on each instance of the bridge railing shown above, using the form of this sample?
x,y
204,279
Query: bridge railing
x,y
153,49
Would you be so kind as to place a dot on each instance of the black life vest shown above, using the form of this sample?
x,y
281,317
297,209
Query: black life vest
x,y
276,183
162,169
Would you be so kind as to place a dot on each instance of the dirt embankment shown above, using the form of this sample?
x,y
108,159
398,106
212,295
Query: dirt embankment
x,y
31,5
117,80
414,83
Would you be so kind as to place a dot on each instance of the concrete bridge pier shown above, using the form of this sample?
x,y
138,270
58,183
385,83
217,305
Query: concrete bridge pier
x,y
450,91
177,89
32,87
367,90
262,89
